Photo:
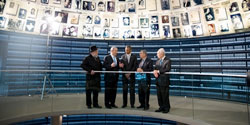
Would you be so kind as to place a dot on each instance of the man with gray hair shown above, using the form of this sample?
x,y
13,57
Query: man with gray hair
x,y
163,64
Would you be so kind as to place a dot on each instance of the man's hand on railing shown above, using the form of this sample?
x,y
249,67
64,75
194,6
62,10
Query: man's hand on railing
x,y
113,65
121,65
139,70
156,73
92,72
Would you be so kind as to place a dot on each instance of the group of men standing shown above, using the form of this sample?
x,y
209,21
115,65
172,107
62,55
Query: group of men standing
x,y
128,63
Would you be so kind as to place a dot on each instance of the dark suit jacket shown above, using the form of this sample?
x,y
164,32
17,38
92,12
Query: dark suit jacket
x,y
112,77
163,79
131,66
147,67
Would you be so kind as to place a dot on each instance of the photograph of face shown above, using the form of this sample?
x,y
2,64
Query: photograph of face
x,y
175,21
154,19
74,18
155,30
45,1
106,33
166,31
144,22
2,5
221,13
128,34
165,5
101,6
165,19
114,22
122,7
47,13
209,14
198,2
44,28
30,26
237,21
186,3
12,8
88,5
2,22
177,32
97,20
184,19
87,31
131,7
106,22
78,4
196,30
88,19
114,33
22,13
245,5
187,31
126,21
234,7
57,1
111,6
61,17
97,32
224,27
67,3
32,13
14,24
70,31
141,4
211,28
139,34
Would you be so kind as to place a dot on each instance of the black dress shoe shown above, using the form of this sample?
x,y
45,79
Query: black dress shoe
x,y
124,106
89,107
132,106
97,106
108,107
158,110
114,106
140,106
146,108
165,111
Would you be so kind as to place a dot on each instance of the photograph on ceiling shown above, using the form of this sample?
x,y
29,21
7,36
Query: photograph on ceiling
x,y
12,8
46,13
186,3
195,16
45,1
88,19
56,1
15,24
106,22
187,31
176,4
32,0
234,7
141,4
131,7
144,22
114,22
134,22
175,21
30,26
221,13
44,28
126,21
87,31
184,19
32,13
197,30
128,34
237,21
55,29
97,20
154,19
176,32
111,6
211,28
2,5
247,19
224,26
67,4
166,31
115,33
198,2
165,19
146,34
165,5
122,7
139,34
155,30
209,14
70,31
101,6
2,22
78,4
245,5
87,5
106,33
97,32
22,13
130,0
61,17
74,18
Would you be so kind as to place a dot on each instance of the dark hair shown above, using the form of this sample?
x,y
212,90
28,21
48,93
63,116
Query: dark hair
x,y
129,47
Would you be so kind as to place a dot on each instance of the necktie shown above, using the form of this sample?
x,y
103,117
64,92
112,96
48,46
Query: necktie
x,y
161,61
141,64
128,57
114,60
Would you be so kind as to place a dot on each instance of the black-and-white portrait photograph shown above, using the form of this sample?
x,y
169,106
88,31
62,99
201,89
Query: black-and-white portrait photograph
x,y
237,21
15,24
114,22
56,1
55,29
22,13
131,7
2,5
106,33
197,30
12,8
166,31
70,31
30,26
155,30
245,5
87,5
146,33
209,14
32,13
115,33
88,19
97,32
186,3
122,7
165,19
187,32
106,22
165,5
184,19
111,6
44,28
126,21
101,6
175,21
2,21
224,27
221,13
67,3
45,1
97,20
144,22
175,4
139,34
176,32
141,4
61,17
46,14
78,4
154,19
195,16
198,2
87,31
234,7
128,34
73,18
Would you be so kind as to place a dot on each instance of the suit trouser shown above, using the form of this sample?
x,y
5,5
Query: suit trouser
x,y
163,97
127,83
95,97
144,91
110,93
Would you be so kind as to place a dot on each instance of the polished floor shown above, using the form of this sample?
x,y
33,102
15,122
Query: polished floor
x,y
184,110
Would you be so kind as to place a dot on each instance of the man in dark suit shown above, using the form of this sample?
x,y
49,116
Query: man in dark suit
x,y
111,63
91,64
144,65
163,64
128,63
